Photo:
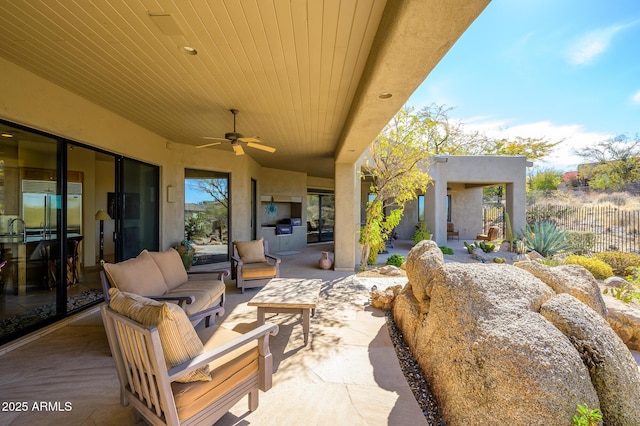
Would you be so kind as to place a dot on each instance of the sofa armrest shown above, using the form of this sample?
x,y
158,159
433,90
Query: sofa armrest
x,y
221,273
104,281
182,299
208,314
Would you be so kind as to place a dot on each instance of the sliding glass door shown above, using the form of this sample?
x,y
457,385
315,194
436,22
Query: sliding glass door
x,y
137,213
320,216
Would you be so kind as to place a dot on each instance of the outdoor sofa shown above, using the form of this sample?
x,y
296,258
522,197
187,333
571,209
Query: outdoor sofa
x,y
162,276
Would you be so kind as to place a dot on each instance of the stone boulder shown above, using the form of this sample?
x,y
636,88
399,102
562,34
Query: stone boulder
x,y
572,279
624,319
424,265
488,354
613,370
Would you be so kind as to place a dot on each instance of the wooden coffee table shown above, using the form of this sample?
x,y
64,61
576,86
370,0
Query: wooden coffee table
x,y
288,295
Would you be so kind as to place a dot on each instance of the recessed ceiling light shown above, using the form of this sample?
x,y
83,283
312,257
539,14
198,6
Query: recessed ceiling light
x,y
6,135
384,96
188,50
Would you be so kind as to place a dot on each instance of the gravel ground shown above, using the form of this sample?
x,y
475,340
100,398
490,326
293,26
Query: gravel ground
x,y
414,376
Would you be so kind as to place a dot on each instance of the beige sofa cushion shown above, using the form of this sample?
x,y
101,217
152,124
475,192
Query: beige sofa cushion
x,y
171,266
178,338
139,275
206,293
227,371
251,251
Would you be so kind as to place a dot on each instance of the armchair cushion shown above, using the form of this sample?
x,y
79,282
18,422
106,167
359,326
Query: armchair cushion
x,y
251,251
178,338
171,266
139,275
227,372
258,270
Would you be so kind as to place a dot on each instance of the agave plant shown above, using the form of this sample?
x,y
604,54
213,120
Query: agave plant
x,y
545,238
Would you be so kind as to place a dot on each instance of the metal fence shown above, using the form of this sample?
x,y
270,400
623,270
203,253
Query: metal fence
x,y
613,228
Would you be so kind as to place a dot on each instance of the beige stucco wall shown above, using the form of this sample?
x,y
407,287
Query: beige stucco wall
x,y
460,172
326,184
35,102
462,177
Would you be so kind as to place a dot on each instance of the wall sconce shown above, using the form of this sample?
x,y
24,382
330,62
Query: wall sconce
x,y
171,194
101,215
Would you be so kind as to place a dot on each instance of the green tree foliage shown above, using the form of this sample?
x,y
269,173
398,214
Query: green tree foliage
x,y
532,148
443,135
613,163
545,180
397,171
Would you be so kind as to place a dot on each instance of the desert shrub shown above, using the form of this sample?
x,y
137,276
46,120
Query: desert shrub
x,y
581,242
585,416
422,233
395,260
621,263
545,238
499,260
599,269
617,199
486,247
551,262
446,250
629,290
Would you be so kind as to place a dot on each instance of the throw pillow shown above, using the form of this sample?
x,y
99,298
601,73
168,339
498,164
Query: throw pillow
x,y
179,340
171,266
251,251
138,275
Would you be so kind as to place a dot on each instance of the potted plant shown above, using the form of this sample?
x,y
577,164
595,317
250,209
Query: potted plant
x,y
187,251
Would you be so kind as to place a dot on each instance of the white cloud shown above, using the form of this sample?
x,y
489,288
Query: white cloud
x,y
562,157
586,48
636,98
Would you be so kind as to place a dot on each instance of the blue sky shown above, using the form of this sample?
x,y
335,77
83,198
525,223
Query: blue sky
x,y
560,69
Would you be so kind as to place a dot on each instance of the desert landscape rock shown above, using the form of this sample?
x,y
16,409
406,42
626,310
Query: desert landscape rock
x,y
489,354
613,371
572,279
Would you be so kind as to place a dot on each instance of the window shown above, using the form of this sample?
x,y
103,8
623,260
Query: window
x,y
420,208
206,214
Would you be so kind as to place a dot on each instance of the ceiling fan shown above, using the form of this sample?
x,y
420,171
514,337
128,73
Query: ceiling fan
x,y
238,140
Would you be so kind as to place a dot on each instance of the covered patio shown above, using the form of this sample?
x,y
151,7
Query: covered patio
x,y
348,371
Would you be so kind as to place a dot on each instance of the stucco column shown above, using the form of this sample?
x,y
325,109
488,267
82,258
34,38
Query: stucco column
x,y
347,217
517,205
438,224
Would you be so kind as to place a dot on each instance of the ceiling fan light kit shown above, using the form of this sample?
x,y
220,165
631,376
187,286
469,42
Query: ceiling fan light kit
x,y
238,140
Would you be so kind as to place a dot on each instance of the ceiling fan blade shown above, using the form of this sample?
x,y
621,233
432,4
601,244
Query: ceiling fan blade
x,y
238,149
255,139
261,147
208,144
214,138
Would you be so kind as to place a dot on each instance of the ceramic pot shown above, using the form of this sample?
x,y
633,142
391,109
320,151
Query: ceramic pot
x,y
325,261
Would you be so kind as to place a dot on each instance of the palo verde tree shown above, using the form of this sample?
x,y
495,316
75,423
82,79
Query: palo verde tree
x,y
613,163
397,170
444,135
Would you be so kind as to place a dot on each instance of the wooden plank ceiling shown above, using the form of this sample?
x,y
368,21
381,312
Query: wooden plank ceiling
x,y
292,68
